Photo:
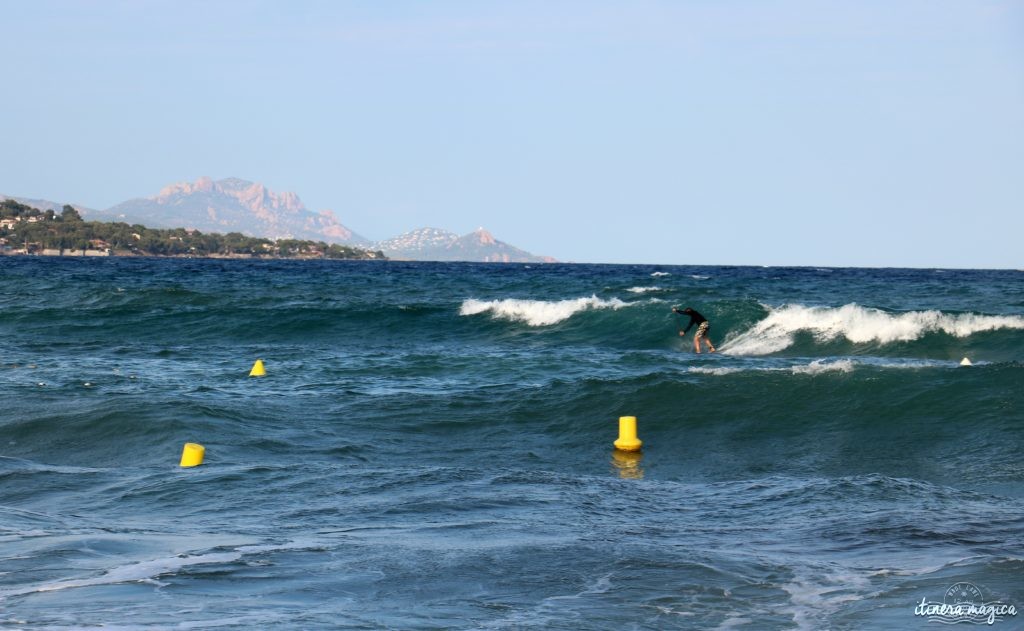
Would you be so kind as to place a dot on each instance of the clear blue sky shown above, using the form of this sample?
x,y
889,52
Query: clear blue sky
x,y
863,133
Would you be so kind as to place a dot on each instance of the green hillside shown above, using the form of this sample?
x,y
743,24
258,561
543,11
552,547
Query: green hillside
x,y
28,230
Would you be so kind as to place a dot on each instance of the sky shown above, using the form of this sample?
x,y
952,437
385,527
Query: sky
x,y
867,133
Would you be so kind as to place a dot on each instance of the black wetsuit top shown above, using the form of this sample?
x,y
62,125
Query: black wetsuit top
x,y
695,318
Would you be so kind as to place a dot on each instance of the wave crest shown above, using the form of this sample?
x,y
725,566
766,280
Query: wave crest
x,y
537,312
859,325
644,290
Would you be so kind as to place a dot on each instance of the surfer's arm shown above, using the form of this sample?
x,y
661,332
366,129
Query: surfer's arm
x,y
692,320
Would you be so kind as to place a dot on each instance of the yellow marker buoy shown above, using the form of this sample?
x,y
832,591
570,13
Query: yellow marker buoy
x,y
257,369
192,455
965,362
627,435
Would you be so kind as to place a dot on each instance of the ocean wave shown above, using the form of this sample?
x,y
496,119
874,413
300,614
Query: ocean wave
x,y
537,312
143,571
152,570
859,325
821,366
644,290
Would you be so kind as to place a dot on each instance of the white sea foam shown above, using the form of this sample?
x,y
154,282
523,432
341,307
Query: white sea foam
x,y
733,622
550,611
643,290
821,366
657,274
144,572
537,312
816,367
817,594
150,571
702,370
859,325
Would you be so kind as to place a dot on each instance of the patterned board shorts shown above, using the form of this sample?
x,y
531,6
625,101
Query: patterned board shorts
x,y
702,329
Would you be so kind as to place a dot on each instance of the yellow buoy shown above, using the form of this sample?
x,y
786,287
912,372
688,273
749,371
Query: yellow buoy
x,y
192,455
257,369
627,435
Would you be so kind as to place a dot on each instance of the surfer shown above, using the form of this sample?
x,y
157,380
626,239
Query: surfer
x,y
702,328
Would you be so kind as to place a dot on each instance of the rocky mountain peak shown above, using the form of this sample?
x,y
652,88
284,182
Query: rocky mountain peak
x,y
234,204
252,195
484,237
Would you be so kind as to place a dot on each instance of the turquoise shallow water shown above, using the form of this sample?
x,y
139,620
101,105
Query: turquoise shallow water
x,y
431,447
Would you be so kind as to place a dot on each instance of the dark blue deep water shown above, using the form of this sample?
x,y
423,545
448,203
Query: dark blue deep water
x,y
431,447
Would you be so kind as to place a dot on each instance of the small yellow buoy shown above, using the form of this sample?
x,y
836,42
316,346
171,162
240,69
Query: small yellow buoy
x,y
257,369
965,362
627,434
192,455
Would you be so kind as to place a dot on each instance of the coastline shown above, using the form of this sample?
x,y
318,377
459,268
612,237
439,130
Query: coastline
x,y
231,255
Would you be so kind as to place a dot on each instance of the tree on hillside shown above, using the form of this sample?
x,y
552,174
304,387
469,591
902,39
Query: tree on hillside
x,y
69,214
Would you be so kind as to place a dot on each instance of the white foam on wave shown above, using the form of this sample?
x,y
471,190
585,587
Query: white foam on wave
x,y
859,325
816,367
554,609
702,370
816,595
150,571
657,274
822,366
643,290
537,312
141,572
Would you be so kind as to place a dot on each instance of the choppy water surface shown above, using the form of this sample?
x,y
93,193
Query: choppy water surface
x,y
432,445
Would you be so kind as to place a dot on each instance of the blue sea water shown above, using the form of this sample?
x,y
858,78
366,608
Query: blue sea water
x,y
431,447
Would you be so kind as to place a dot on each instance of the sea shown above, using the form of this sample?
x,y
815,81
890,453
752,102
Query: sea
x,y
432,446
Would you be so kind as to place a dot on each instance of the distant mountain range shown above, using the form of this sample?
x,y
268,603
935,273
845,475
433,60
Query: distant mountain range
x,y
236,205
232,205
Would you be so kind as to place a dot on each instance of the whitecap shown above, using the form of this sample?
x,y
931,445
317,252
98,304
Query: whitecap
x,y
537,312
702,370
643,290
857,324
821,366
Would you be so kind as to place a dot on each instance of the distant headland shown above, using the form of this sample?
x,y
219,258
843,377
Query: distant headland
x,y
235,206
25,230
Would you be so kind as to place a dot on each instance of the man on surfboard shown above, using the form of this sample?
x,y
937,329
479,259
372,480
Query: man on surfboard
x,y
702,328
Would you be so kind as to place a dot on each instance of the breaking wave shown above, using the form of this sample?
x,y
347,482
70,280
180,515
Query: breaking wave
x,y
643,290
859,325
822,366
537,312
